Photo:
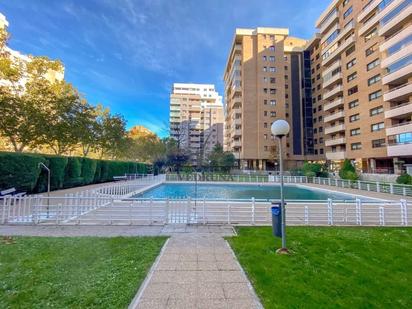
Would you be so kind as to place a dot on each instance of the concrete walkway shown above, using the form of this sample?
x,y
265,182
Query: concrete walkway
x,y
196,270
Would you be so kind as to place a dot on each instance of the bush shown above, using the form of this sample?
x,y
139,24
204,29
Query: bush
x,y
19,170
404,179
88,170
348,171
314,170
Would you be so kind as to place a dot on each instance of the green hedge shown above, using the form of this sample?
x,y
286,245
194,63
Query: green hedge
x,y
22,171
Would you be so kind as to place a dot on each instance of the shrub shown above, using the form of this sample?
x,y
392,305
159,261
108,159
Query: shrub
x,y
88,170
73,172
404,179
19,170
314,170
348,171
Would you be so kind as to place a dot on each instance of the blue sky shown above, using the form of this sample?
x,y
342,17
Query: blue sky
x,y
126,54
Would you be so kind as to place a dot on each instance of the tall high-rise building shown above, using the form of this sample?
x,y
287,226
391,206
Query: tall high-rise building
x,y
196,119
264,81
361,64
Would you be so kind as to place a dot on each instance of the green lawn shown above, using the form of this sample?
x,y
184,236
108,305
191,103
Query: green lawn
x,y
78,272
331,267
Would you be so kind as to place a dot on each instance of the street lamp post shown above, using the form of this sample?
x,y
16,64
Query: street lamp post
x,y
280,128
42,165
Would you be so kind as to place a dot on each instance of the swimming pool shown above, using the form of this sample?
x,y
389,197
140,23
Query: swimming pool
x,y
241,191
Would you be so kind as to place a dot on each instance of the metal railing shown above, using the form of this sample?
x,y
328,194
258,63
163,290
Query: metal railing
x,y
98,210
214,177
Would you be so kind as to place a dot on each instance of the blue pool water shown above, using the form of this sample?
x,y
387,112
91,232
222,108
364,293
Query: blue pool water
x,y
240,191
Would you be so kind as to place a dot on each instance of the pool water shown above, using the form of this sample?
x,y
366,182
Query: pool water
x,y
240,191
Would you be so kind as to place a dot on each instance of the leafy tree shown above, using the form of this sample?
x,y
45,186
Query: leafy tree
x,y
314,170
348,171
221,160
404,179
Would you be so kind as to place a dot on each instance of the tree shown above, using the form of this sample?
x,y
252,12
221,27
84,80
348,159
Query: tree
x,y
348,171
111,134
221,160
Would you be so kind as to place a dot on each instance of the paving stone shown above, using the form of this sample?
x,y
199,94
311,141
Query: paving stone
x,y
152,304
230,276
236,290
181,304
207,266
227,265
186,265
212,303
210,291
243,303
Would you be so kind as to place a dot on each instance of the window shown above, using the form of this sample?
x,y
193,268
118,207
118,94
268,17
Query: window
x,y
272,69
272,80
374,79
353,104
351,77
265,148
265,102
321,151
355,132
377,143
264,58
272,91
352,90
347,12
351,63
369,51
372,64
354,118
265,125
350,50
265,113
320,129
376,111
371,34
265,69
273,102
265,136
345,2
272,48
356,146
265,90
272,114
319,107
320,140
377,127
272,58
265,79
375,95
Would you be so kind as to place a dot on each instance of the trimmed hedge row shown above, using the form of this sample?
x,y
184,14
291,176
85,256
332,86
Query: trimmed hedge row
x,y
22,171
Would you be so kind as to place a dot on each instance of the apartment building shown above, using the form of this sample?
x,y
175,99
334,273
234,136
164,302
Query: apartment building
x,y
363,57
196,119
263,78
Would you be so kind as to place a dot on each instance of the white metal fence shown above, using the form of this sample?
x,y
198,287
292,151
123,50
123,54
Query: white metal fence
x,y
398,189
103,210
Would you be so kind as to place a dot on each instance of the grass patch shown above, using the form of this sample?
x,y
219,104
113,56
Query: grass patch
x,y
45,272
330,267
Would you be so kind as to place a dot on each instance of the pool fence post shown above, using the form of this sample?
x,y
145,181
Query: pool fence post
x,y
151,210
228,213
306,215
381,216
378,188
204,211
358,211
330,212
391,188
167,210
253,211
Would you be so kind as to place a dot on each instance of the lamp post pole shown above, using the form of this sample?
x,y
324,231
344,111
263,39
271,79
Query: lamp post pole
x,y
282,198
280,128
42,165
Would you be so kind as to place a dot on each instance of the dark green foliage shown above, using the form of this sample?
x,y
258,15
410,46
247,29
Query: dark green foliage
x,y
404,179
314,170
348,171
73,173
88,170
19,170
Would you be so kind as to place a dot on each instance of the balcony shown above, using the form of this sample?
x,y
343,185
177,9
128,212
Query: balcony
x,y
332,93
237,121
334,116
333,104
399,150
335,129
397,17
396,38
399,75
332,80
399,129
326,24
338,51
338,155
399,93
401,53
331,68
367,9
399,111
335,141
236,143
237,132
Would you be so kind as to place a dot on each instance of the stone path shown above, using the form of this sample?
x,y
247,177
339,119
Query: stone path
x,y
196,271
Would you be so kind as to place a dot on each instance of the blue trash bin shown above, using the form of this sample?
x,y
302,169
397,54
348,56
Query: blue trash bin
x,y
276,219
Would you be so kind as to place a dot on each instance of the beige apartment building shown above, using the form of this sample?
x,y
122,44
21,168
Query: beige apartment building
x,y
263,82
361,83
196,119
354,98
